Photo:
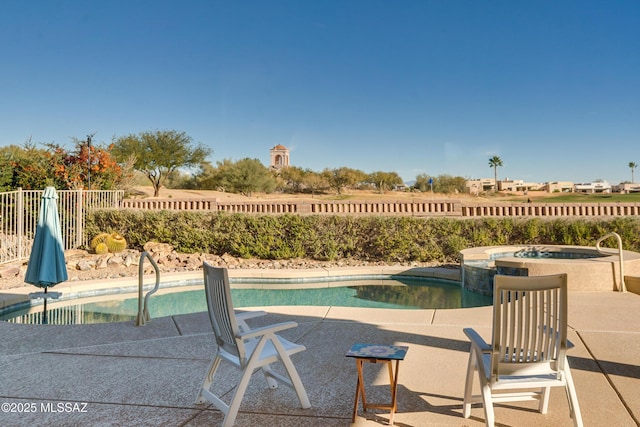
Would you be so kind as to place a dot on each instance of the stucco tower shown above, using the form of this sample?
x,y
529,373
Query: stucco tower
x,y
279,157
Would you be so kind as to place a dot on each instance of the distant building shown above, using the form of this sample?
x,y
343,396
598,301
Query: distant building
x,y
593,187
517,185
279,157
626,188
559,187
477,186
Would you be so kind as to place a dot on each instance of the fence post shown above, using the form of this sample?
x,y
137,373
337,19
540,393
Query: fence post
x,y
79,217
20,224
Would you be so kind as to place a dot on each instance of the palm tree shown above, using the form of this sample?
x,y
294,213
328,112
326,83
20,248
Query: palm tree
x,y
494,162
633,166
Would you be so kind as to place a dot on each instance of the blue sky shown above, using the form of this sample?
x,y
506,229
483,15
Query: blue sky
x,y
425,86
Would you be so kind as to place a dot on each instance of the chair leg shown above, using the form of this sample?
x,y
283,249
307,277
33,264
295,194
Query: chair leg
x,y
572,397
297,382
241,388
468,385
208,378
485,391
487,402
269,376
293,374
544,400
236,400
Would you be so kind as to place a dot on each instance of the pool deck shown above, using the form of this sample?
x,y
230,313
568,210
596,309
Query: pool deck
x,y
121,375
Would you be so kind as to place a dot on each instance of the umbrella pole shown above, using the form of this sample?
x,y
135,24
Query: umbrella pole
x,y
44,317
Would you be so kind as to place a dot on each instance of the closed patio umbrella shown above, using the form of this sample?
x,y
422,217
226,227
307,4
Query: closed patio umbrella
x,y
47,266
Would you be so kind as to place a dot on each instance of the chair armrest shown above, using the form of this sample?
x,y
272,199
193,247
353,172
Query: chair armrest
x,y
477,340
249,314
253,333
569,343
242,317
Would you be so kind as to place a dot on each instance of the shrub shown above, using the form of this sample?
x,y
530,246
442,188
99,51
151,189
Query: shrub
x,y
373,238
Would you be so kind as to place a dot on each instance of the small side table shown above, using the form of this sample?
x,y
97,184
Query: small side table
x,y
376,353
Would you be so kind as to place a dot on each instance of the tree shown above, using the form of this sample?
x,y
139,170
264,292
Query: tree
x,y
204,178
92,168
244,176
446,184
294,177
494,162
422,182
33,168
384,180
633,166
8,162
314,181
158,154
343,177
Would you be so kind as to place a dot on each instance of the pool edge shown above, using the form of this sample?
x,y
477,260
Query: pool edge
x,y
13,296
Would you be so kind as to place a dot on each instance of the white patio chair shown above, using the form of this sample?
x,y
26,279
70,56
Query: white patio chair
x,y
248,349
528,350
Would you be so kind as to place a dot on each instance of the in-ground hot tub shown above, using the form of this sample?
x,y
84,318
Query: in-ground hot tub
x,y
587,269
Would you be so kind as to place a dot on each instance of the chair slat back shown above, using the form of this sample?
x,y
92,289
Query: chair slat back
x,y
220,308
530,322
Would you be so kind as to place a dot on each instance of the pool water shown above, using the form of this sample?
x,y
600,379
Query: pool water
x,y
387,293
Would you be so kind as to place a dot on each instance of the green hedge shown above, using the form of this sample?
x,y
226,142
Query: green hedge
x,y
370,238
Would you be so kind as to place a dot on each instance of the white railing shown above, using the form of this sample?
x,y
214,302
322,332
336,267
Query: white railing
x,y
621,287
143,308
19,218
65,315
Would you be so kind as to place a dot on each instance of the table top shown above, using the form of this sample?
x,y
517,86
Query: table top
x,y
378,351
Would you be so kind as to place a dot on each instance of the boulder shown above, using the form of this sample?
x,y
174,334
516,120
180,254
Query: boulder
x,y
115,260
158,249
129,260
9,272
83,265
102,262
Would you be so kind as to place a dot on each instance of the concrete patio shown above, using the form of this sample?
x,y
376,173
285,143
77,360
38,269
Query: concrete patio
x,y
122,375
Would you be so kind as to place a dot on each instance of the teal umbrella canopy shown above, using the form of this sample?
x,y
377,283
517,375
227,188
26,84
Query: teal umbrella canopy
x,y
47,266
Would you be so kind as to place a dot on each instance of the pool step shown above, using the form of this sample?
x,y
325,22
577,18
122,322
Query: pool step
x,y
632,284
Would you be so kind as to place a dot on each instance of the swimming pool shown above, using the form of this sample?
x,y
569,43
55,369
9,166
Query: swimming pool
x,y
395,293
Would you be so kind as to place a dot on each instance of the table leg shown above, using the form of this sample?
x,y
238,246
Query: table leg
x,y
355,404
394,390
359,390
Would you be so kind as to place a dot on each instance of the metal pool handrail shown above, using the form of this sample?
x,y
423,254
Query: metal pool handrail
x,y
617,236
143,312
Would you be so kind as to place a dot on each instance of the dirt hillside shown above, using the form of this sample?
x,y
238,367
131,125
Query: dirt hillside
x,y
147,192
